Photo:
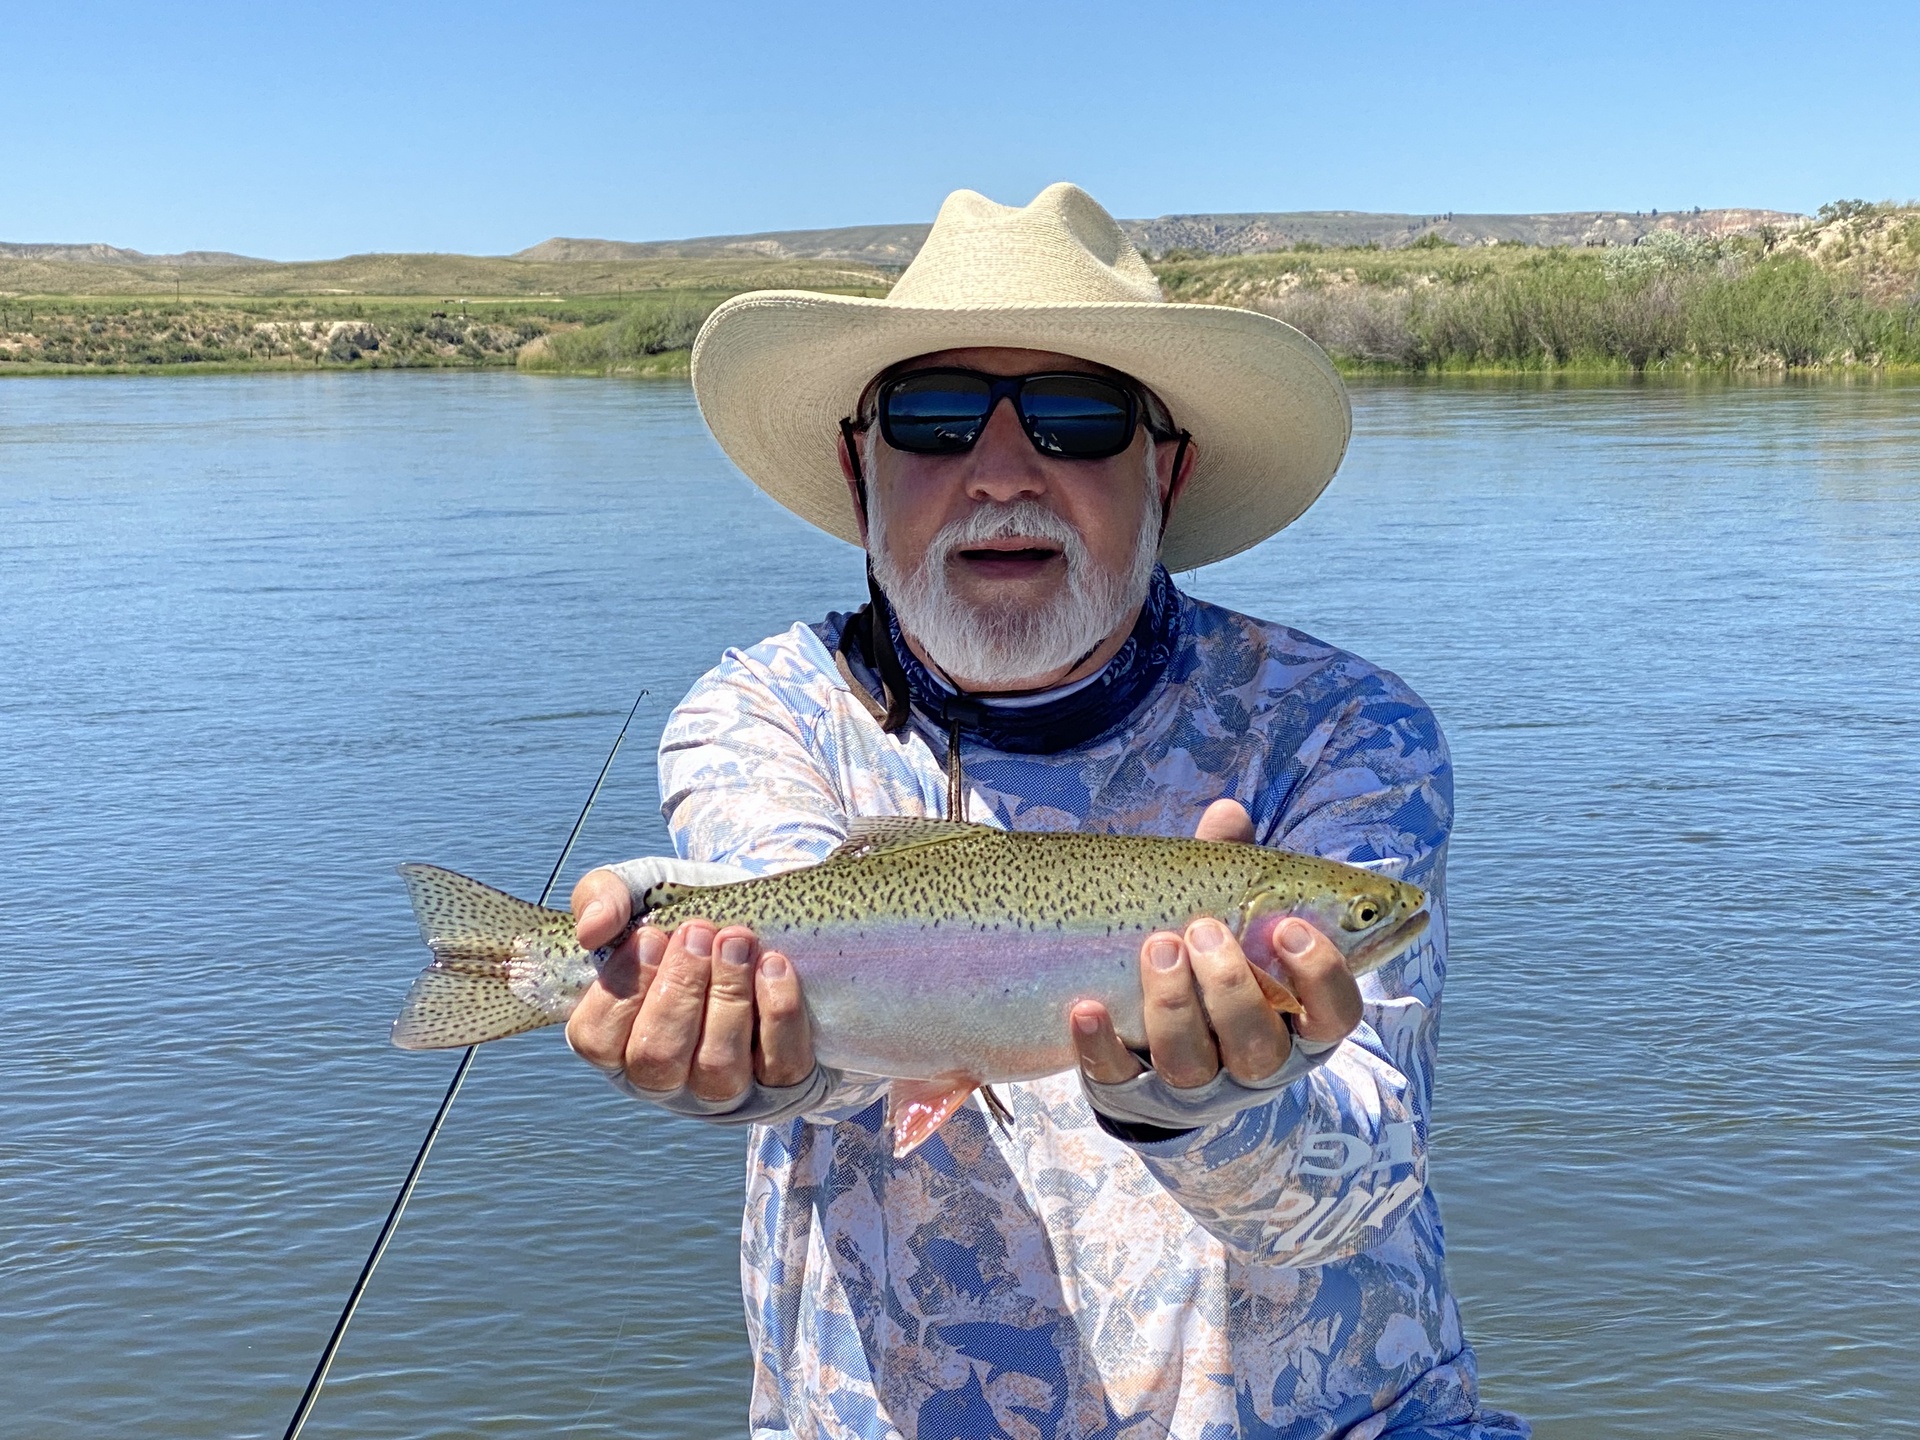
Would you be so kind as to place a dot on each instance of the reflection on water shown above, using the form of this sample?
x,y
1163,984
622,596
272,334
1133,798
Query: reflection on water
x,y
267,636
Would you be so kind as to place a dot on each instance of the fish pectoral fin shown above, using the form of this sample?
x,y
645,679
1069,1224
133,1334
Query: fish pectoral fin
x,y
886,834
917,1108
1278,996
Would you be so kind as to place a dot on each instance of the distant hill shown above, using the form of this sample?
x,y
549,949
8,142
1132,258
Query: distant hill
x,y
113,255
854,257
77,270
851,256
892,246
885,245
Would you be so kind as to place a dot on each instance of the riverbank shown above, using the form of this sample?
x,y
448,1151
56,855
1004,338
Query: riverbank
x,y
60,316
1841,293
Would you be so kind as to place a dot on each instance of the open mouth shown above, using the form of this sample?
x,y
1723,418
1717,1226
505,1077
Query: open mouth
x,y
1012,557
1377,949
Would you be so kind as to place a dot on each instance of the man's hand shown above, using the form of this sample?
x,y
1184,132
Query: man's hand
x,y
1204,1008
700,1008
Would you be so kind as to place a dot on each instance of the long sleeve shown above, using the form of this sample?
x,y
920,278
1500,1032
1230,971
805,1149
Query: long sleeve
x,y
1327,1166
738,784
743,782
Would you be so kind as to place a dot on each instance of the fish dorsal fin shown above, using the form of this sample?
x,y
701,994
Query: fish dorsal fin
x,y
888,834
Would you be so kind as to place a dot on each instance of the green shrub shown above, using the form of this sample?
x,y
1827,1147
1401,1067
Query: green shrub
x,y
650,328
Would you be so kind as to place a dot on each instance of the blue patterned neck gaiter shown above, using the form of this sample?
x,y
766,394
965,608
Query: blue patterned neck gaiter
x,y
1083,714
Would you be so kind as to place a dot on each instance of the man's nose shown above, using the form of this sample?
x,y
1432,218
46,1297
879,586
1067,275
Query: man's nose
x,y
1003,465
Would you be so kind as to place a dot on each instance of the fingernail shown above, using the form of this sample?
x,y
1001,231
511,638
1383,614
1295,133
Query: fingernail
x,y
594,913
699,941
775,967
736,950
652,946
1293,938
1164,954
1206,935
1087,1024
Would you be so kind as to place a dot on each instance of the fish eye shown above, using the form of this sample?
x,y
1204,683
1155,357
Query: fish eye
x,y
1362,913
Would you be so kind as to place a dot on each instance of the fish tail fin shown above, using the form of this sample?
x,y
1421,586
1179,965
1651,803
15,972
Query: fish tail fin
x,y
467,995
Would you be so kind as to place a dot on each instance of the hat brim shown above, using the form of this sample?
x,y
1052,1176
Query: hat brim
x,y
774,371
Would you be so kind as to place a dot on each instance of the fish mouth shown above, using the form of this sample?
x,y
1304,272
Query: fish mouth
x,y
1382,946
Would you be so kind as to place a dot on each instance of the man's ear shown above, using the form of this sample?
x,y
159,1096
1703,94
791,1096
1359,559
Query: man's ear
x,y
1181,467
856,483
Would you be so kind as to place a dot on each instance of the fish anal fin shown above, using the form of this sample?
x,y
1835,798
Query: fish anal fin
x,y
1278,996
888,834
917,1108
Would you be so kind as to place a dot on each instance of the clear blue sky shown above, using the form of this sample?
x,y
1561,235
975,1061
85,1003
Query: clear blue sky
x,y
296,131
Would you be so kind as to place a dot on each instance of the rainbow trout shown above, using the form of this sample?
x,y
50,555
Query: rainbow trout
x,y
939,954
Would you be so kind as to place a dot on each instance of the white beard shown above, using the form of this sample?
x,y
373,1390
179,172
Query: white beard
x,y
1006,643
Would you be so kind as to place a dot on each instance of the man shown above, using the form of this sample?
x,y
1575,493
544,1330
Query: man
x,y
1232,1234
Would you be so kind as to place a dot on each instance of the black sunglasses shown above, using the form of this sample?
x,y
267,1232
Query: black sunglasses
x,y
1067,415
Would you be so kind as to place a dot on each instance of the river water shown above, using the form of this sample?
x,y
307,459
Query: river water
x,y
262,637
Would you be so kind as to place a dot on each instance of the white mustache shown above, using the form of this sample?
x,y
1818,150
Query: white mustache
x,y
1017,520
1001,643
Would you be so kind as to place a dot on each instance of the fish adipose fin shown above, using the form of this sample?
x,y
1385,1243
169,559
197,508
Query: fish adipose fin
x,y
886,834
466,997
917,1108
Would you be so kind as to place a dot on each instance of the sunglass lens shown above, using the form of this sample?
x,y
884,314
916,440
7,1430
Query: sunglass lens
x,y
1083,418
934,414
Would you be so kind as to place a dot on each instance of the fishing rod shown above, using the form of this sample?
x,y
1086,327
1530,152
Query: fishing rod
x,y
312,1394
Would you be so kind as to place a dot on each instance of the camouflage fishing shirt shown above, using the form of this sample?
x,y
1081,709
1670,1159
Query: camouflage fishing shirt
x,y
1278,1274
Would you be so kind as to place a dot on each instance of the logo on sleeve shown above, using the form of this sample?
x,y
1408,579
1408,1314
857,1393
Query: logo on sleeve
x,y
1338,1153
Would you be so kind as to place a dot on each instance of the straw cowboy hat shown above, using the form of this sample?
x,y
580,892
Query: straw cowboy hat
x,y
775,370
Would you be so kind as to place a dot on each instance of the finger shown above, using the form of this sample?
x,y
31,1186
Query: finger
x,y
723,1064
601,907
632,963
1252,1040
1317,973
601,1024
1177,1035
667,1030
1225,820
786,1039
1102,1057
